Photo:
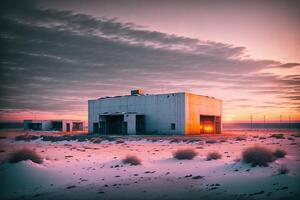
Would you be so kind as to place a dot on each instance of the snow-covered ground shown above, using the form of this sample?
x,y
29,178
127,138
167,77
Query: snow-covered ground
x,y
87,170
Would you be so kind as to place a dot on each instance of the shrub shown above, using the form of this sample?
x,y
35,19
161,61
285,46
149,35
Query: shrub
x,y
257,155
119,141
283,169
211,141
153,140
279,153
96,140
240,138
277,136
223,140
213,156
175,140
26,137
185,154
296,135
132,160
25,154
108,138
193,140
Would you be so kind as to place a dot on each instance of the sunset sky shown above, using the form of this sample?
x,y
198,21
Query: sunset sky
x,y
56,55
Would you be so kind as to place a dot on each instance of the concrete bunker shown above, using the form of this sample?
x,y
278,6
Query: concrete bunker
x,y
179,113
54,125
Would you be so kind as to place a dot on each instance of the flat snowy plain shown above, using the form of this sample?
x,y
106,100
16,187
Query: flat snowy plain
x,y
90,167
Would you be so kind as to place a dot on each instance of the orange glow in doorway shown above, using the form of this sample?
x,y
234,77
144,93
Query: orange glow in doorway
x,y
208,129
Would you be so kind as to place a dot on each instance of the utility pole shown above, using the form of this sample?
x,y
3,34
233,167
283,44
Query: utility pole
x,y
251,121
289,122
264,121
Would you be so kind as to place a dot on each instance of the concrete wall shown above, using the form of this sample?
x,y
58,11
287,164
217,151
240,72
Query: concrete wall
x,y
26,124
65,122
159,110
47,125
131,123
196,105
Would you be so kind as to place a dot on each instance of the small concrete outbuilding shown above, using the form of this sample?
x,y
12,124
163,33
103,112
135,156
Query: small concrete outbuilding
x,y
174,114
54,125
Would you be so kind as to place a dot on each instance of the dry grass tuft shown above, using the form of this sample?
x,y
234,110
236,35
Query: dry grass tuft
x,y
25,154
175,140
96,140
257,156
132,160
211,141
223,140
213,156
185,154
119,141
26,137
240,138
296,135
279,153
277,136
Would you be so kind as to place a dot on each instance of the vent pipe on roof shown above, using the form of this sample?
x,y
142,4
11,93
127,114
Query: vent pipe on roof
x,y
137,92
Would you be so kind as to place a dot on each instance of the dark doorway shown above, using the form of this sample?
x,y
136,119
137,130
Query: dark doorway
x,y
115,125
96,127
57,126
35,126
77,126
102,129
140,124
68,127
207,124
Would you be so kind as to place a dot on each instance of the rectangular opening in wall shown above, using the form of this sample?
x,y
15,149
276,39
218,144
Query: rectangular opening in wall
x,y
140,124
77,126
173,126
95,127
57,126
102,127
35,126
68,127
207,124
113,124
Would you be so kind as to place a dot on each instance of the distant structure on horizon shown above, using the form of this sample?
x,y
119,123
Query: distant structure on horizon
x,y
54,125
180,113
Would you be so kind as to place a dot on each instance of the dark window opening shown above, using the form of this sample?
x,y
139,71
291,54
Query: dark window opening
x,y
96,127
68,127
77,126
173,126
140,124
35,126
57,126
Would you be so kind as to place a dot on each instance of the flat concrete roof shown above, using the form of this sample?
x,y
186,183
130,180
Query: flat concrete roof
x,y
119,113
173,93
